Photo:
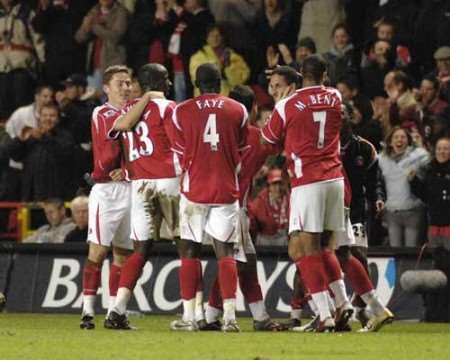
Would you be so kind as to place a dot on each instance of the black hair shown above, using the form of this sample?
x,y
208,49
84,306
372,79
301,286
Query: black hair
x,y
313,68
153,77
308,43
350,81
289,74
245,95
59,203
207,78
434,80
41,88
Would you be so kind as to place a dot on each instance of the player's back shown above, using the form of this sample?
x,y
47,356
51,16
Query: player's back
x,y
106,152
147,146
313,120
212,127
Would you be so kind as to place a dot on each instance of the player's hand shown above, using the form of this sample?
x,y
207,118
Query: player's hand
x,y
379,206
117,175
285,54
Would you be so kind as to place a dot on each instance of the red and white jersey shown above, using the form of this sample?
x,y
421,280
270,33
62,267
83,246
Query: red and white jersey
x,y
107,152
209,131
308,124
253,158
146,147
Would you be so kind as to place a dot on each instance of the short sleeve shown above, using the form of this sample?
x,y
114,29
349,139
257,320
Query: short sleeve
x,y
273,131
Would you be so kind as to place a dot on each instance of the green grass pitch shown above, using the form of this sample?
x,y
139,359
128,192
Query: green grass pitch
x,y
38,336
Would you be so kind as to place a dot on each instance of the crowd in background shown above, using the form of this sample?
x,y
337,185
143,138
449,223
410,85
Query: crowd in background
x,y
390,59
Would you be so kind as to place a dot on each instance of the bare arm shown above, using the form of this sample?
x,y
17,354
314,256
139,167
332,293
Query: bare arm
x,y
127,121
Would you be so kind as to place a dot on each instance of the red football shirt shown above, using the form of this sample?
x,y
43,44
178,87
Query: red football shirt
x,y
147,147
107,152
210,130
253,157
308,123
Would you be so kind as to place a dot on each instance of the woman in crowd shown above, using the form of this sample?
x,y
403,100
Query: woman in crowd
x,y
341,56
233,67
404,211
434,191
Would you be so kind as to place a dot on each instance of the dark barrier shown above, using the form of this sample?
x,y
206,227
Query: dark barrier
x,y
47,278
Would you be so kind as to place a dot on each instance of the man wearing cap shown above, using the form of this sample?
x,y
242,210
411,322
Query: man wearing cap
x,y
269,212
442,71
76,118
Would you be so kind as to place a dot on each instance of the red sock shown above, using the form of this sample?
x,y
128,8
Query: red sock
x,y
131,271
313,273
91,278
248,281
189,277
228,277
357,276
214,297
331,265
114,277
299,296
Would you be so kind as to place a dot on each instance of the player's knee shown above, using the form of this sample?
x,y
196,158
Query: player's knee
x,y
294,252
120,255
343,254
97,253
144,248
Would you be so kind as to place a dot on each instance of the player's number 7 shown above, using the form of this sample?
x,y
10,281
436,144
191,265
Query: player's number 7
x,y
210,134
320,117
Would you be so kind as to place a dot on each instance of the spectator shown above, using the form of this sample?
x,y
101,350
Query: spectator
x,y
378,66
76,114
404,110
103,28
404,211
430,103
341,56
428,96
305,47
46,153
189,36
434,190
349,89
80,216
149,32
274,26
21,53
318,19
25,116
363,123
269,212
57,21
58,224
233,67
442,71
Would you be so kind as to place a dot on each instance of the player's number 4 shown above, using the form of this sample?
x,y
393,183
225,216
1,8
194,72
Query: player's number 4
x,y
210,134
321,118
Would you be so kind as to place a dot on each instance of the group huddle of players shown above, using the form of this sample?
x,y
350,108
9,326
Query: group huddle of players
x,y
191,165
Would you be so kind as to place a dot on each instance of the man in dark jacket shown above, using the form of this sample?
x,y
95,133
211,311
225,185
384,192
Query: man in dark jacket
x,y
46,154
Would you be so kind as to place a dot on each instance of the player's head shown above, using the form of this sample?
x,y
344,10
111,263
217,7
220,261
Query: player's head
x,y
154,77
117,84
54,211
245,95
283,81
314,70
207,78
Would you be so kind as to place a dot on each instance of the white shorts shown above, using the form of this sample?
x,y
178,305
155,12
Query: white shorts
x,y
317,207
109,215
199,220
244,245
346,237
152,201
